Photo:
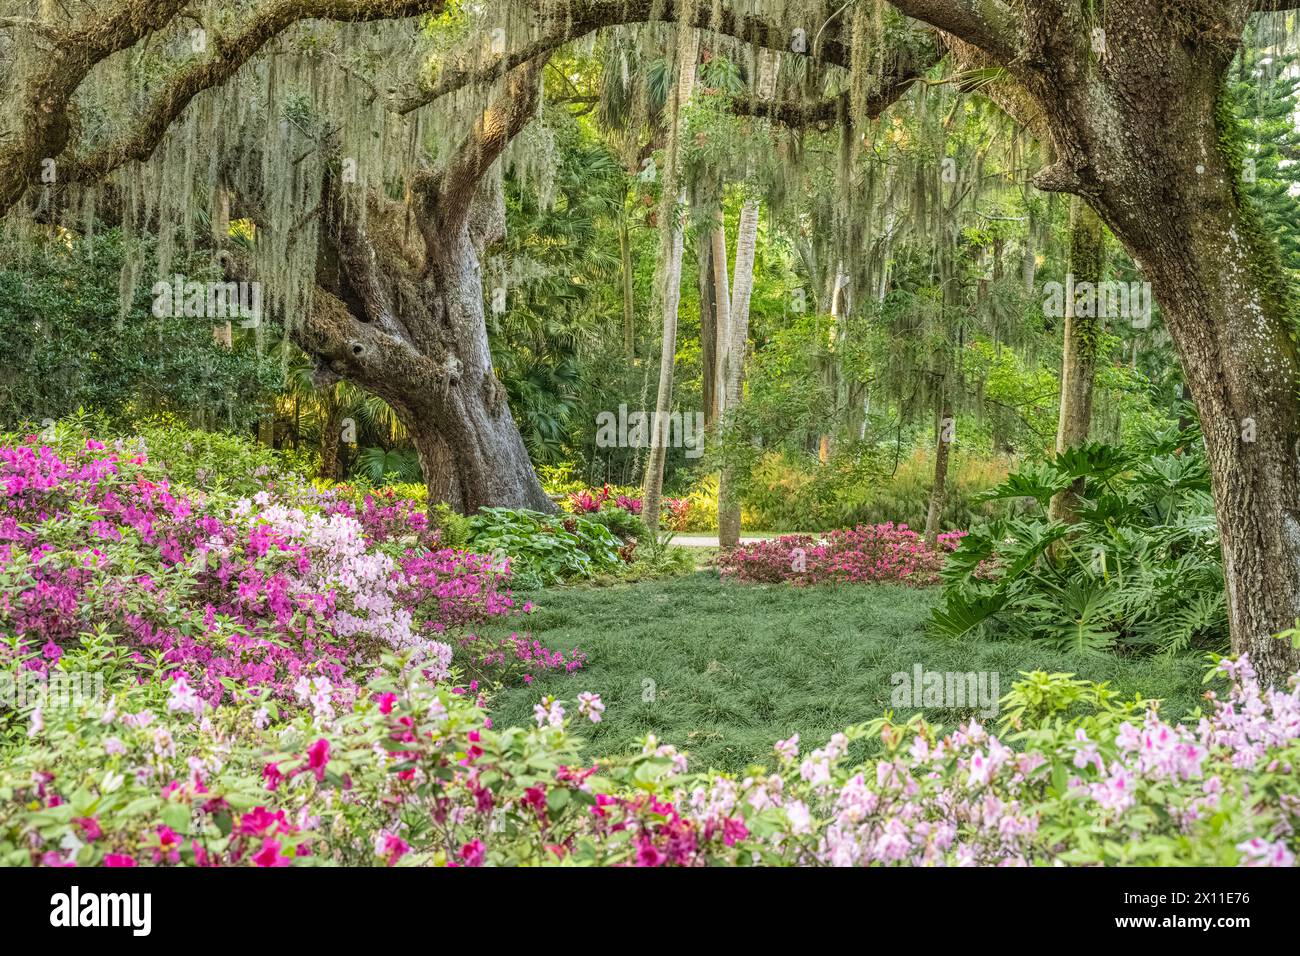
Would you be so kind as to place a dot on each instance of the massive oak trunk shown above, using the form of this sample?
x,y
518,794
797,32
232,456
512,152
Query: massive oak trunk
x,y
1145,136
405,319
1132,95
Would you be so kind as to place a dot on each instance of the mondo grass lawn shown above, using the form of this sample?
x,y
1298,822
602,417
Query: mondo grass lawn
x,y
723,669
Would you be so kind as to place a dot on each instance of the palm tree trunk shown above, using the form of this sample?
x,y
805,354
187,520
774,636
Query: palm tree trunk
x,y
629,296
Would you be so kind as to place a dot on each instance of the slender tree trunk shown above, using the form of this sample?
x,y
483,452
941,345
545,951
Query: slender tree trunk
x,y
722,311
830,370
674,199
945,434
738,345
629,292
1029,259
330,436
1079,356
708,328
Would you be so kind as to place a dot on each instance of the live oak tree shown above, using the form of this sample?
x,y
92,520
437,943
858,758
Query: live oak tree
x,y
386,286
258,111
1132,94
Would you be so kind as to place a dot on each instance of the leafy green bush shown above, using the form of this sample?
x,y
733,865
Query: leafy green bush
x,y
545,549
66,344
867,486
454,530
621,523
213,461
659,559
197,459
378,465
1140,569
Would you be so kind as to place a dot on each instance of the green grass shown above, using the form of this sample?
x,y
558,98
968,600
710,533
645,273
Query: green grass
x,y
736,667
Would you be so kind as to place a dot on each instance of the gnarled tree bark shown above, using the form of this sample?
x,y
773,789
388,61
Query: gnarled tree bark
x,y
408,324
1133,101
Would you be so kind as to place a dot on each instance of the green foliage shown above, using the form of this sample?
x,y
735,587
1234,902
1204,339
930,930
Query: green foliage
x,y
554,262
1264,93
379,465
545,549
454,529
621,523
657,558
714,667
1140,570
862,484
214,461
1040,701
190,457
64,345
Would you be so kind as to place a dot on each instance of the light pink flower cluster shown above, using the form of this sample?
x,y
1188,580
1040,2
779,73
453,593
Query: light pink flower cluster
x,y
967,799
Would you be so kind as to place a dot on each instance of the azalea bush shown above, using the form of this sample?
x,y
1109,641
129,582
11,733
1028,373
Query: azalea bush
x,y
412,772
885,552
156,776
232,592
295,678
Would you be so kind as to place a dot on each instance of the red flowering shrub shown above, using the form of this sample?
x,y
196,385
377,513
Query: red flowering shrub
x,y
883,552
591,500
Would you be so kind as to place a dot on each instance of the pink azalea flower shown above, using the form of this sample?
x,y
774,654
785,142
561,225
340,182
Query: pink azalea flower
x,y
270,855
318,757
